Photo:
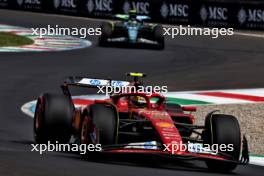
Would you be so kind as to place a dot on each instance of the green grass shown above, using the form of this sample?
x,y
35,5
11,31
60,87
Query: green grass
x,y
9,39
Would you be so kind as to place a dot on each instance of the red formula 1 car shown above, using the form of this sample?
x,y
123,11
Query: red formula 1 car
x,y
138,122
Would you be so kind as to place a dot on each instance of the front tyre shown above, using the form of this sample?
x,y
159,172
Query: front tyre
x,y
223,129
100,125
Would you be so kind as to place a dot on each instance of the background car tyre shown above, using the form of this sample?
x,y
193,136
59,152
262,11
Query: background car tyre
x,y
53,119
106,29
223,129
159,37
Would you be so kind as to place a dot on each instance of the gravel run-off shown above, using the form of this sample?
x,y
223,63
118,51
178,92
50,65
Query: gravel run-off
x,y
250,117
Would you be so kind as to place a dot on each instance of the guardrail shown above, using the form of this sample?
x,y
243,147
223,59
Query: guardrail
x,y
243,14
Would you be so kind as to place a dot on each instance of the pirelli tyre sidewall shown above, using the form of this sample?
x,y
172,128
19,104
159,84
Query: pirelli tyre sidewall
x,y
53,119
223,129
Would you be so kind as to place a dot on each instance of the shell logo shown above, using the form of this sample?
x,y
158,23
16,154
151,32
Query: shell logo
x,y
165,124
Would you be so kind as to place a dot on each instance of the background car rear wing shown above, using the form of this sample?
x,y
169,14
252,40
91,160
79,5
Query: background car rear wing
x,y
126,17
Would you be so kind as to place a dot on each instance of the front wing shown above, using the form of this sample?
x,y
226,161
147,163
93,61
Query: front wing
x,y
152,148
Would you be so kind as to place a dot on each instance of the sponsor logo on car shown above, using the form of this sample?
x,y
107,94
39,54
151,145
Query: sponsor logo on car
x,y
95,82
198,148
150,145
165,124
119,83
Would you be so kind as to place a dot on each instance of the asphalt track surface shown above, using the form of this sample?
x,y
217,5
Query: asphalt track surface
x,y
187,63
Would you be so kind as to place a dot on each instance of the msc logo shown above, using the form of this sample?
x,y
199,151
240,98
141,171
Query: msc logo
x,y
255,15
140,7
251,15
64,3
175,10
31,2
242,16
95,82
213,13
99,5
56,3
20,2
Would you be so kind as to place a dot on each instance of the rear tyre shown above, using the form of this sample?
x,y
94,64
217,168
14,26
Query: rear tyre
x,y
106,28
223,129
159,37
53,119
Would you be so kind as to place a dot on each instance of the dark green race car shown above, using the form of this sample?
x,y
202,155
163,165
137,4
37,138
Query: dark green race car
x,y
132,31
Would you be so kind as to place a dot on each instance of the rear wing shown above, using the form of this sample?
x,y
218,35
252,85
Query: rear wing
x,y
98,83
89,83
126,17
94,82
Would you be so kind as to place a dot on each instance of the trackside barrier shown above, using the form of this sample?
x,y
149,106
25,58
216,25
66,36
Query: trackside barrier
x,y
243,14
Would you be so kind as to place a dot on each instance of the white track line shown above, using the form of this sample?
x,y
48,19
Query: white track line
x,y
249,34
256,160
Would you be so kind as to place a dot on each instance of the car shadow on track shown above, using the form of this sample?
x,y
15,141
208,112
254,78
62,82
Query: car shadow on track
x,y
133,160
132,46
148,161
